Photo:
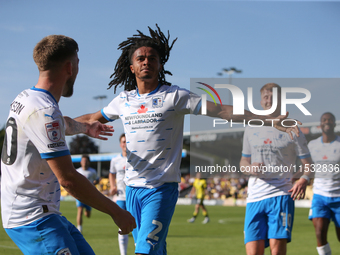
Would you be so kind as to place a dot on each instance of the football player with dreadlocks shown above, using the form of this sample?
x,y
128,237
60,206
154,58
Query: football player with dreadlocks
x,y
152,112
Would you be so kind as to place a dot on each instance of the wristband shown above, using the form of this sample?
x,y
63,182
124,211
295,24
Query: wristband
x,y
306,177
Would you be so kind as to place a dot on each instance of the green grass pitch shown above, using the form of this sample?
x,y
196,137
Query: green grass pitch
x,y
222,235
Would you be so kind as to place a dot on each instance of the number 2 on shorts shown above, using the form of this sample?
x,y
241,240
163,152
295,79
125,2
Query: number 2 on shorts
x,y
152,234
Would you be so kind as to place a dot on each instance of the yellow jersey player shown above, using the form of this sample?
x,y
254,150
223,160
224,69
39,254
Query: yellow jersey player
x,y
199,187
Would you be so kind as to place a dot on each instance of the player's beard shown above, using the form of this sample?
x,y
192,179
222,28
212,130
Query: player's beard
x,y
68,88
327,131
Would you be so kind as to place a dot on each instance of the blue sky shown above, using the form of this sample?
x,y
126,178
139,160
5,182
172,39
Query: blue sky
x,y
265,39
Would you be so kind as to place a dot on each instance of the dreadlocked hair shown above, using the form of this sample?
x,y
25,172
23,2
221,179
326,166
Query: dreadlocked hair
x,y
122,75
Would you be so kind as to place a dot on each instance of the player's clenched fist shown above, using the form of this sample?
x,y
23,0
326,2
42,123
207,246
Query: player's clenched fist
x,y
125,221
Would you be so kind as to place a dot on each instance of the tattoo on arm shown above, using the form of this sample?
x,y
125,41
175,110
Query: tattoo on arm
x,y
73,127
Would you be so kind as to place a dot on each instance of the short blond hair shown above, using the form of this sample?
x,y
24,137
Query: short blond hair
x,y
270,86
53,50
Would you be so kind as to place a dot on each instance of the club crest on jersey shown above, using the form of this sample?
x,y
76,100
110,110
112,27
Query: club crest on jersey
x,y
53,131
157,102
65,251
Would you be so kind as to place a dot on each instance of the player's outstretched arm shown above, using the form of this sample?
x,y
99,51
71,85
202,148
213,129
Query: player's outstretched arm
x,y
82,189
289,127
226,112
97,116
299,188
92,128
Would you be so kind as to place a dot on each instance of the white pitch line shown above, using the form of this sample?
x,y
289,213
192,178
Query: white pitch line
x,y
9,247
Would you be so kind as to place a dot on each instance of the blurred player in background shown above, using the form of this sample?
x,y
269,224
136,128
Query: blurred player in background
x,y
35,159
91,175
199,188
325,152
153,113
118,186
270,202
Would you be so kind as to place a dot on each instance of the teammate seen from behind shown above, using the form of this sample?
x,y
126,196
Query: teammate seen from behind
x,y
91,175
118,187
270,203
325,152
199,188
35,159
153,113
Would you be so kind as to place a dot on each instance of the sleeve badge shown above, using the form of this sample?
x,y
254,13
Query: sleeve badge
x,y
53,131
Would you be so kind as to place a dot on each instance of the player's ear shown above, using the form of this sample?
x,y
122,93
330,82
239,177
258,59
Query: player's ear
x,y
68,66
131,68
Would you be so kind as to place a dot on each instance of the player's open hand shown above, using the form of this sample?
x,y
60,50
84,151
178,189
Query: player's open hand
x,y
289,126
125,221
299,189
98,130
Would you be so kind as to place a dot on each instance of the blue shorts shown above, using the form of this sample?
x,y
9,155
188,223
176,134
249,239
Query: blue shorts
x,y
325,207
153,210
121,204
271,218
52,234
80,204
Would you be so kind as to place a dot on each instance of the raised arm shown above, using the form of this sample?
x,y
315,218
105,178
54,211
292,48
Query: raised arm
x,y
97,116
89,124
226,112
82,189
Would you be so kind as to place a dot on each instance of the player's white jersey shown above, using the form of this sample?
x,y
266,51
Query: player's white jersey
x,y
153,125
34,132
117,166
326,158
90,173
278,152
